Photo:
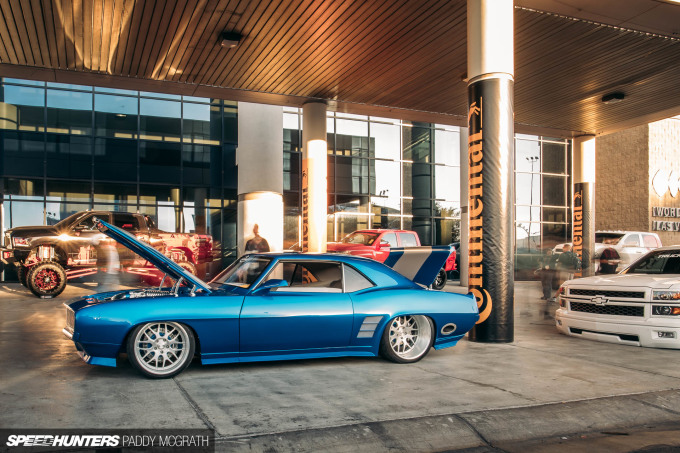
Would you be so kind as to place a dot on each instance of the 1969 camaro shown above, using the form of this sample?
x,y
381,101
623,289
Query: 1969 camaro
x,y
274,306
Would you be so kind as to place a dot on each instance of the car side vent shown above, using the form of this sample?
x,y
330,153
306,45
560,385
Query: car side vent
x,y
367,329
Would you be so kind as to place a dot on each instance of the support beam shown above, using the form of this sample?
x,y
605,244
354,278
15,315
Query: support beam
x,y
491,167
314,178
583,218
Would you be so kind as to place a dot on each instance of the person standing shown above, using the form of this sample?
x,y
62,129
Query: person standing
x,y
567,264
547,272
257,244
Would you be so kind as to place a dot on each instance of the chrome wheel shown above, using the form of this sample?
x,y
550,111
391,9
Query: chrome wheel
x,y
161,349
410,337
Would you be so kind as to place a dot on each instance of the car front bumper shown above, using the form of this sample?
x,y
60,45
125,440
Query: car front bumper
x,y
646,332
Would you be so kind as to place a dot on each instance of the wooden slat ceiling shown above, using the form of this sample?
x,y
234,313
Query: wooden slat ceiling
x,y
391,57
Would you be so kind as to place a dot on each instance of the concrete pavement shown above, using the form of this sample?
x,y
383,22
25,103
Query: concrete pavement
x,y
534,392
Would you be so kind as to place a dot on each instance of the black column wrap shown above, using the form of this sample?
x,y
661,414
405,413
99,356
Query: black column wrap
x,y
583,227
491,207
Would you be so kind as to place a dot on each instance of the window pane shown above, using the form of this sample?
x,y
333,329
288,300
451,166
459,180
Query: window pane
x,y
447,147
24,96
69,112
554,158
447,231
447,183
160,120
159,162
69,156
554,190
202,164
527,155
115,159
117,194
351,175
23,153
354,281
417,143
555,215
385,143
386,187
527,188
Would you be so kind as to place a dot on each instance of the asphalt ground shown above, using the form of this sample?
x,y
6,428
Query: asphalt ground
x,y
543,392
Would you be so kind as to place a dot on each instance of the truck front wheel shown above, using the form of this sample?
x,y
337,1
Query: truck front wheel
x,y
46,280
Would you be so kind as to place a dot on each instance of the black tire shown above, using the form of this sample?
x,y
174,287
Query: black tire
x,y
46,280
394,338
440,280
188,266
21,274
170,341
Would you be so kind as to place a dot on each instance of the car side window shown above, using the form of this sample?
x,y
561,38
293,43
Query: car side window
x,y
355,281
633,240
309,276
391,238
86,224
650,241
125,221
408,240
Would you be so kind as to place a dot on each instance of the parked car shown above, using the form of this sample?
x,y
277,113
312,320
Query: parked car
x,y
271,306
624,247
639,306
45,257
376,244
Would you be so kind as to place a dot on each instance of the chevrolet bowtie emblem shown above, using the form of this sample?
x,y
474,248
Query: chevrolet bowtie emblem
x,y
599,300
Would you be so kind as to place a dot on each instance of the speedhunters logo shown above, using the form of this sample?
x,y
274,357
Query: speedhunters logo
x,y
162,440
476,209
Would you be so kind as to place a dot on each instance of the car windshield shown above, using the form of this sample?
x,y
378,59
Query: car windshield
x,y
360,237
242,272
659,262
608,238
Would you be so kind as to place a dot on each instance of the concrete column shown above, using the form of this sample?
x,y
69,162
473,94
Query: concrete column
x,y
464,215
491,167
314,177
259,158
583,209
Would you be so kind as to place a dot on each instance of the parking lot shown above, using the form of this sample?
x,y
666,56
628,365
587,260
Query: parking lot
x,y
542,386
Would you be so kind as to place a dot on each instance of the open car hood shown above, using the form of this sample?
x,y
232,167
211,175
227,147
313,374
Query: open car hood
x,y
419,264
150,254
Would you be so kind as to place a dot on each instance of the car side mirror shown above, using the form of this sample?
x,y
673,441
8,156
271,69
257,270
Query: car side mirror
x,y
383,244
272,283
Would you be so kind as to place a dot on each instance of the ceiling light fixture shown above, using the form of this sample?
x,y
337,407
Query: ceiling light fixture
x,y
230,39
613,98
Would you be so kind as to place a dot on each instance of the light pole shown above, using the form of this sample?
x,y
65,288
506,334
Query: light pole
x,y
532,160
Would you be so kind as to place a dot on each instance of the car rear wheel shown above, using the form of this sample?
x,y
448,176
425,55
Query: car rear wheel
x,y
46,280
407,339
161,349
440,281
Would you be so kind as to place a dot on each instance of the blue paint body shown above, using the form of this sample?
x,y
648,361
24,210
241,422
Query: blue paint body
x,y
235,324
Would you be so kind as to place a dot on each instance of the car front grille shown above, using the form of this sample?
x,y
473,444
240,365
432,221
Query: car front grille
x,y
613,310
614,294
70,319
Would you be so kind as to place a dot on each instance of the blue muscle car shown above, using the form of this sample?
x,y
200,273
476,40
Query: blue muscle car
x,y
274,306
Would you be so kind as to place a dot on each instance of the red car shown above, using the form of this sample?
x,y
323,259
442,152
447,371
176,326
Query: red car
x,y
376,244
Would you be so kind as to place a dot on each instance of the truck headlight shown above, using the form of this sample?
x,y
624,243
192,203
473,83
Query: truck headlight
x,y
671,296
665,310
20,242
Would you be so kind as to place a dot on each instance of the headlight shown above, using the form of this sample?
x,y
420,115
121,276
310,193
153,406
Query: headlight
x,y
20,242
670,296
665,310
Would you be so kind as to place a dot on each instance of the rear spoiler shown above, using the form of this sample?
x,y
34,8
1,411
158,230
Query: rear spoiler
x,y
419,264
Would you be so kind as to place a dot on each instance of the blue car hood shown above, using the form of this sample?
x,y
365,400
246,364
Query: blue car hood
x,y
419,264
150,254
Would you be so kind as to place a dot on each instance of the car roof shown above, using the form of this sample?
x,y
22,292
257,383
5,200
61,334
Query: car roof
x,y
382,230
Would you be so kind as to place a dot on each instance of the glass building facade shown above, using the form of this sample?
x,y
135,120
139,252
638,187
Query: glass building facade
x,y
67,148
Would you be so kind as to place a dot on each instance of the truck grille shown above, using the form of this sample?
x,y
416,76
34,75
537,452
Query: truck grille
x,y
614,294
613,310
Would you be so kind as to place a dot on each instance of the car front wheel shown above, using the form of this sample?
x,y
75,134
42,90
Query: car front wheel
x,y
46,280
407,339
161,349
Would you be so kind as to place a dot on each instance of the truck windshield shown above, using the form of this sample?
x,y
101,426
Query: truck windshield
x,y
658,262
360,237
608,238
70,219
243,272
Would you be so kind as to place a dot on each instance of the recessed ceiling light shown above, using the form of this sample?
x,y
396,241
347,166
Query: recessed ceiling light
x,y
230,39
613,98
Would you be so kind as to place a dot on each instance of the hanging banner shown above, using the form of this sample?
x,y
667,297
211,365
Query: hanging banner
x,y
583,228
491,203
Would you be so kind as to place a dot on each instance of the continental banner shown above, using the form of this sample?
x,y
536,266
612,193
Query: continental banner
x,y
583,230
491,202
